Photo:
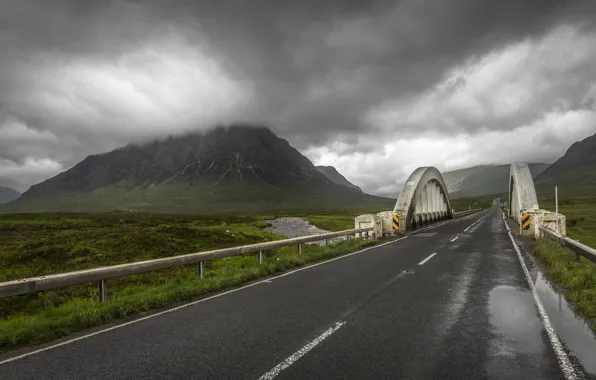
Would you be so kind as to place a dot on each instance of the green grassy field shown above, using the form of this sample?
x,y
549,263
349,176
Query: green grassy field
x,y
200,198
580,213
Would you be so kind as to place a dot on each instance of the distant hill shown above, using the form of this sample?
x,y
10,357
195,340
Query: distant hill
x,y
235,169
574,173
335,176
18,186
482,180
8,195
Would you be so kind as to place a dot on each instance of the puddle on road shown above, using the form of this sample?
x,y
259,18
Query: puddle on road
x,y
296,227
571,329
514,316
517,344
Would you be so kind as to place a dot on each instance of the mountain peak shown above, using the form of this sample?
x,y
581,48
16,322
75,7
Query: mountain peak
x,y
238,167
237,152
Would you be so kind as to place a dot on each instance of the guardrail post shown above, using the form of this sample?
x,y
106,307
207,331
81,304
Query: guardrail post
x,y
299,249
260,257
102,290
201,269
327,241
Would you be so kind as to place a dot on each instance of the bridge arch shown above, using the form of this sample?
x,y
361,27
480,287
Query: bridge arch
x,y
423,200
522,193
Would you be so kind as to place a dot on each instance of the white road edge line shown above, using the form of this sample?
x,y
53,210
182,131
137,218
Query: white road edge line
x,y
454,239
428,258
564,362
301,352
193,303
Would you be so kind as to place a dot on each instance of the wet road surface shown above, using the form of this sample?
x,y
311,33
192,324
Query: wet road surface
x,y
449,303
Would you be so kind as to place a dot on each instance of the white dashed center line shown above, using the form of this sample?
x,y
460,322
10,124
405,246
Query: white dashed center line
x,y
428,258
301,352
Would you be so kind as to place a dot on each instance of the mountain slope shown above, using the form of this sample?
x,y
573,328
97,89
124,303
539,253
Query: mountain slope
x,y
482,180
7,194
574,172
335,176
240,168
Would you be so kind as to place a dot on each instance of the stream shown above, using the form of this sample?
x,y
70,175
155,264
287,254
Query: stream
x,y
296,227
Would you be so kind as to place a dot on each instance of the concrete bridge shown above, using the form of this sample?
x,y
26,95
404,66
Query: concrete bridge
x,y
424,200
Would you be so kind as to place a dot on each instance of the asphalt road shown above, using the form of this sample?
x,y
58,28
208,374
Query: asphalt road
x,y
465,313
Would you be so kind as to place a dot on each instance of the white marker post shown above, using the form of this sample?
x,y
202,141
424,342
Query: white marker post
x,y
557,209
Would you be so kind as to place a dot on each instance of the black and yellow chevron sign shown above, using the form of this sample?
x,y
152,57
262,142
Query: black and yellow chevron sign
x,y
395,223
525,221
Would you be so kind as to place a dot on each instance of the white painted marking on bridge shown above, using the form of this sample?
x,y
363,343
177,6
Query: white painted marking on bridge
x,y
428,258
301,352
568,370
193,303
471,225
454,239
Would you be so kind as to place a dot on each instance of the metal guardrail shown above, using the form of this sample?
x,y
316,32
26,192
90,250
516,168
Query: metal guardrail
x,y
100,275
577,247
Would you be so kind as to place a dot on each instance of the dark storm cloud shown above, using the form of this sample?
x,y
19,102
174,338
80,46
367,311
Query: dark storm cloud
x,y
310,69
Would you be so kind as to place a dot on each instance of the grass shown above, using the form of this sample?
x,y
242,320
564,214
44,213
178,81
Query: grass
x,y
202,197
580,213
578,278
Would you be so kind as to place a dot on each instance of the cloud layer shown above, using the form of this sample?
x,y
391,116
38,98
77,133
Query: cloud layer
x,y
351,84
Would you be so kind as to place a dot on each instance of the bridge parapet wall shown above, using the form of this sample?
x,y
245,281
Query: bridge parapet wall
x,y
369,220
547,219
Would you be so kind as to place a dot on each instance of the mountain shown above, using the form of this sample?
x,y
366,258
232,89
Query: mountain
x,y
20,187
335,176
574,173
8,195
482,180
234,169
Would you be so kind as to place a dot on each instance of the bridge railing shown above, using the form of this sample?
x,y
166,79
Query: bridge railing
x,y
577,247
100,275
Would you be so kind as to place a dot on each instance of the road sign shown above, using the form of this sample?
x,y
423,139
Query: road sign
x,y
525,219
395,223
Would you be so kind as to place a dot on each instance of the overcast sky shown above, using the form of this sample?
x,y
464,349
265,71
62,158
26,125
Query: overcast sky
x,y
375,89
